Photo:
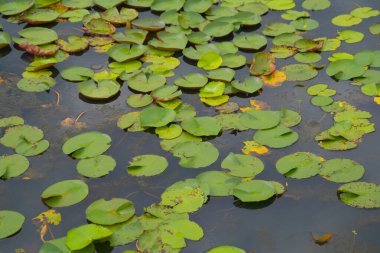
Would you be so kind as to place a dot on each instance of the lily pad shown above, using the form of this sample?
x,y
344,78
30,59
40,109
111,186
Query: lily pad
x,y
10,223
299,165
139,100
250,41
219,183
218,28
147,165
242,165
299,72
226,249
149,24
87,145
74,44
12,165
346,20
14,7
250,85
75,74
194,154
316,5
341,170
156,117
108,4
199,6
125,232
258,119
345,69
146,81
80,237
65,193
39,16
210,61
192,81
350,36
36,36
97,166
104,89
39,84
201,126
254,191
110,212
126,52
276,28
5,40
277,137
11,121
360,194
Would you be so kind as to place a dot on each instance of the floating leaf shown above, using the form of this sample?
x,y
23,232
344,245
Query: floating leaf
x,y
97,166
257,119
225,248
108,4
9,8
12,165
156,117
360,194
341,170
277,137
74,44
110,212
82,236
222,74
299,72
39,84
75,74
218,28
59,246
194,154
254,191
169,132
5,40
219,183
250,85
201,126
125,232
276,28
87,145
147,165
126,52
280,5
263,64
299,165
10,223
316,5
146,81
39,16
346,20
36,36
65,193
139,100
250,41
149,24
210,61
350,36
375,29
242,165
364,12
345,69
11,121
104,89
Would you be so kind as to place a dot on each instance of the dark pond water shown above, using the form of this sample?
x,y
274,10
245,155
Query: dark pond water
x,y
284,225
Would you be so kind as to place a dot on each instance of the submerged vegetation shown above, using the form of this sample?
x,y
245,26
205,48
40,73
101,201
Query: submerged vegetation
x,y
146,42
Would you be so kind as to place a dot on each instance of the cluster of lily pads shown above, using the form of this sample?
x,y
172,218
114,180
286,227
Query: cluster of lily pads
x,y
144,56
26,140
350,124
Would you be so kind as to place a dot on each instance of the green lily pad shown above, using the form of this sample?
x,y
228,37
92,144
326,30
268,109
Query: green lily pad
x,y
350,36
219,183
191,81
280,5
78,4
210,61
346,20
294,15
263,64
110,212
316,5
233,61
76,74
135,36
139,100
321,100
290,118
103,89
14,7
341,170
286,39
360,194
368,58
316,89
97,166
146,81
74,44
254,191
345,69
184,196
126,52
277,137
156,117
75,15
212,89
80,237
257,119
375,29
59,246
250,85
299,72
11,121
87,145
222,74
250,41
218,29
169,132
108,4
305,24
65,193
166,93
12,165
130,121
242,165
5,40
364,12
195,154
36,36
201,126
308,57
149,24
199,6
163,5
10,223
39,84
39,16
147,165
226,249
276,28
299,165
